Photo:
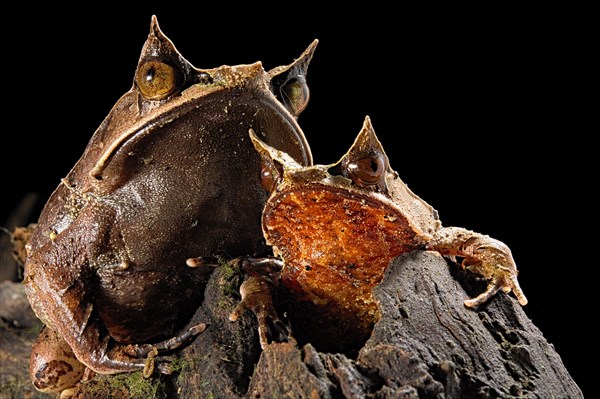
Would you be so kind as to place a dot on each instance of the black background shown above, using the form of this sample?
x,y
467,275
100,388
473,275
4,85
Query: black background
x,y
476,108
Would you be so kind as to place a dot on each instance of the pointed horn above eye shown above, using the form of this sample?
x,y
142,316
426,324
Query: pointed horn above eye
x,y
300,65
159,45
288,82
270,155
365,162
366,141
154,28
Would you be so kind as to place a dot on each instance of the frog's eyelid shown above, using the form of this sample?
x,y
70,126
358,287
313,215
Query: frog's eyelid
x,y
288,82
299,66
159,47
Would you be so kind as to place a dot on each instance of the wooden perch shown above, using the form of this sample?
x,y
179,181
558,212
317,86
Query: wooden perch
x,y
426,345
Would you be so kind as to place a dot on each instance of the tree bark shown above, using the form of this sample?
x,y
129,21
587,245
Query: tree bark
x,y
427,344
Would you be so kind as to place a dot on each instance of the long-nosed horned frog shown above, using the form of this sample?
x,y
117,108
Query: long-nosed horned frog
x,y
168,177
337,227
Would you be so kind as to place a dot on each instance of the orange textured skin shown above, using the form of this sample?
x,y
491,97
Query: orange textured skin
x,y
337,245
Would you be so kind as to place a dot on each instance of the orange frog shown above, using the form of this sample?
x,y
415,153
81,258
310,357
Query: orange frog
x,y
337,227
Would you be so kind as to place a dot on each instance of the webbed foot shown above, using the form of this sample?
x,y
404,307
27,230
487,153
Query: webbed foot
x,y
483,255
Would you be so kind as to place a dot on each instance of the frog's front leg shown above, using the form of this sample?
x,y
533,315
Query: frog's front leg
x,y
483,255
256,291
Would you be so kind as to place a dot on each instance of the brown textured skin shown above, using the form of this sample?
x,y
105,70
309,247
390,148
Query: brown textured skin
x,y
160,181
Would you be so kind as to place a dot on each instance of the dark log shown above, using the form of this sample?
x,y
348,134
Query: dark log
x,y
494,351
426,345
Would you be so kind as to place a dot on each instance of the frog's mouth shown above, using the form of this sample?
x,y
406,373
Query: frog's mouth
x,y
148,123
216,99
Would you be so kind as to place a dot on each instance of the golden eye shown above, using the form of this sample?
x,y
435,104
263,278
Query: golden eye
x,y
368,170
157,80
295,94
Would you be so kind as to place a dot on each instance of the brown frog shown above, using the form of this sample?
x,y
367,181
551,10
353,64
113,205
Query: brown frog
x,y
168,176
337,227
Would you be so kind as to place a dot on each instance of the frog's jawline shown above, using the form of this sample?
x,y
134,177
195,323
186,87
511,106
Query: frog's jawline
x,y
266,99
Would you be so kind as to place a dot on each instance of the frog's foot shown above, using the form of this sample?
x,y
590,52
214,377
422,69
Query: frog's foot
x,y
111,358
483,255
53,366
256,296
171,344
146,355
203,261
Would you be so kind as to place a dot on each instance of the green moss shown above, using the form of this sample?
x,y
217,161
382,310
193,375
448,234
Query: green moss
x,y
229,270
228,284
126,385
180,364
34,330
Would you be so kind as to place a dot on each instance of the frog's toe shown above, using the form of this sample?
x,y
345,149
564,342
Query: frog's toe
x,y
182,339
492,288
516,288
272,329
506,285
256,296
507,280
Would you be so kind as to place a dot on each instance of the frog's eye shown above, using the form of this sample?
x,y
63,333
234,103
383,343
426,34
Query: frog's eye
x,y
295,94
267,178
157,80
367,170
270,176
